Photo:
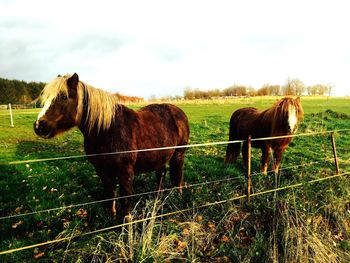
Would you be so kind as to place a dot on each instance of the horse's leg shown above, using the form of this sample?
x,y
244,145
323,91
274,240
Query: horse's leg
x,y
160,173
277,158
265,158
109,182
126,188
176,169
245,154
232,152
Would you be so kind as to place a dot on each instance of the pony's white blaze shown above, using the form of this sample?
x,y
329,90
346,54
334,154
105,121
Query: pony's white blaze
x,y
293,117
43,111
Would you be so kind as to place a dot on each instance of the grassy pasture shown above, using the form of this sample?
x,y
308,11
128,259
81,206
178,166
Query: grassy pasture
x,y
305,223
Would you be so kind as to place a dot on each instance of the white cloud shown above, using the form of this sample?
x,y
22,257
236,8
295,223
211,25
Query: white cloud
x,y
160,47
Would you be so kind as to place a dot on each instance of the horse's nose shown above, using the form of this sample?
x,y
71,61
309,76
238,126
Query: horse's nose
x,y
41,127
292,129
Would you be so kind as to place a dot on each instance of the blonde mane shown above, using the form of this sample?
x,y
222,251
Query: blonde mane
x,y
294,102
54,88
101,105
280,109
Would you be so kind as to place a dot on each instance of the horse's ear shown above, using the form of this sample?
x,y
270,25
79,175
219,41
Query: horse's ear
x,y
58,76
72,84
73,81
298,99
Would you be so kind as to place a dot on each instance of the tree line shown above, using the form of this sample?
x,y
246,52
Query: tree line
x,y
22,92
292,87
19,92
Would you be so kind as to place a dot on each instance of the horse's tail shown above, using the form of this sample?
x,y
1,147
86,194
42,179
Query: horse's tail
x,y
233,149
232,152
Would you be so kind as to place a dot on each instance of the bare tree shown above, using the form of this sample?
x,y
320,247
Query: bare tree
x,y
293,87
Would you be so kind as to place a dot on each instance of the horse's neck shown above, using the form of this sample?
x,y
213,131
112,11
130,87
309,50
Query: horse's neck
x,y
83,127
119,118
266,117
270,120
278,123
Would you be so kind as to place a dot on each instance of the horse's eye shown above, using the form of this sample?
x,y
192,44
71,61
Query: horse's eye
x,y
63,97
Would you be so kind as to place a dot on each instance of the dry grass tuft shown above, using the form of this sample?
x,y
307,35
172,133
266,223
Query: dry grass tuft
x,y
309,238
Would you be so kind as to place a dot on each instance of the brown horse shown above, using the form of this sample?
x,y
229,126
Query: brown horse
x,y
281,119
111,127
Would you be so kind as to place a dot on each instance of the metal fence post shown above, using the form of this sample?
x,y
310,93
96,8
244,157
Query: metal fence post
x,y
336,162
11,117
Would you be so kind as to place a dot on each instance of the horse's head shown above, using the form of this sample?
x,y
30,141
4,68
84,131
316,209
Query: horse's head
x,y
291,113
60,106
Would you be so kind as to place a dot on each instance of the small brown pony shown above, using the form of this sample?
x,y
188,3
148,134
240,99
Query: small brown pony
x,y
111,127
281,119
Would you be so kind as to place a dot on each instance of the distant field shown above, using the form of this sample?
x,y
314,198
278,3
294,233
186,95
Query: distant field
x,y
269,226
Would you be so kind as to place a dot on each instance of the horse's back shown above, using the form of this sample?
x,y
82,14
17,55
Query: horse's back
x,y
244,113
159,125
243,122
169,119
244,116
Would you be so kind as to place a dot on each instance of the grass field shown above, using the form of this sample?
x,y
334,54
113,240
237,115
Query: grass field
x,y
308,223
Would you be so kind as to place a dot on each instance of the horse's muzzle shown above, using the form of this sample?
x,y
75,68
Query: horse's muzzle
x,y
42,129
292,130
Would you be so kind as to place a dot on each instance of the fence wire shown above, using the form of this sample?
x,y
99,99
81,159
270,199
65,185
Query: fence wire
x,y
169,189
171,213
187,186
170,147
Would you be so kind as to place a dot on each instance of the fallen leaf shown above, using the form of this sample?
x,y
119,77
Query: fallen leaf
x,y
199,218
211,226
186,232
82,213
19,209
15,225
225,239
39,255
181,246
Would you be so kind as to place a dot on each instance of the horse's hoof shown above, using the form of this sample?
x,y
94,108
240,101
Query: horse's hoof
x,y
128,218
179,190
113,216
227,161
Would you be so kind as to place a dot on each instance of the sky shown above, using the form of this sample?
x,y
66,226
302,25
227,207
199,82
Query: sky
x,y
159,48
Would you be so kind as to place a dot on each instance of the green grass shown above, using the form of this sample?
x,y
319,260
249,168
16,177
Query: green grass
x,y
309,223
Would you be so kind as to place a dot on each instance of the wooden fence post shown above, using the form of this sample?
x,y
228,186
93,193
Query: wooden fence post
x,y
249,147
336,162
